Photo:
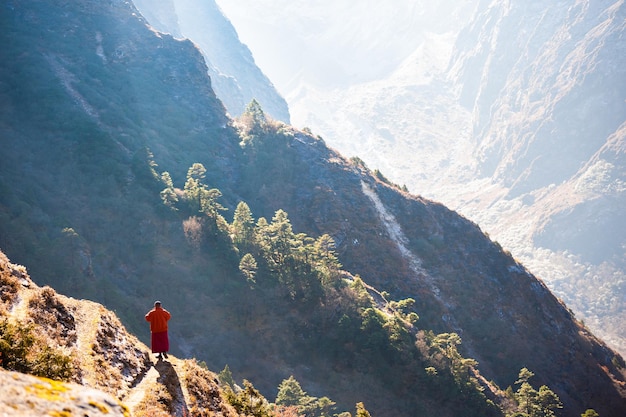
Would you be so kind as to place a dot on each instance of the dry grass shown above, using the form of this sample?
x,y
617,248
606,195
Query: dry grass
x,y
52,317
9,285
51,335
118,358
157,402
204,392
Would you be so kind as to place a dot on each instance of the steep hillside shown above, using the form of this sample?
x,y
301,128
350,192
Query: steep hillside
x,y
102,119
501,110
96,365
548,122
460,280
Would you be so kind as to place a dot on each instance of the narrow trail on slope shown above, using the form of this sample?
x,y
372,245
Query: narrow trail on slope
x,y
168,374
87,330
147,381
138,392
110,359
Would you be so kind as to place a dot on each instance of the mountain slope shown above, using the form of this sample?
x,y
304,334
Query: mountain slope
x,y
498,109
97,107
548,125
235,77
103,358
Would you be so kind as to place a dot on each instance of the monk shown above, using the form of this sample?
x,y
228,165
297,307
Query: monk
x,y
158,318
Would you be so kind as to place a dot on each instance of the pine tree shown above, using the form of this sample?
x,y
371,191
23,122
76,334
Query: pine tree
x,y
251,402
548,401
281,237
533,403
248,267
168,195
325,249
290,393
194,186
254,110
208,202
243,225
226,377
253,121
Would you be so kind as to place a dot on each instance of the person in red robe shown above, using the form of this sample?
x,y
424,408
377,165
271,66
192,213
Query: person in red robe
x,y
158,318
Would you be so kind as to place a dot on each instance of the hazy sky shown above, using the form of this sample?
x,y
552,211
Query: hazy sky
x,y
334,43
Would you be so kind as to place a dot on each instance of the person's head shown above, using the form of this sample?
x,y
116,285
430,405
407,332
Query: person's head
x,y
157,304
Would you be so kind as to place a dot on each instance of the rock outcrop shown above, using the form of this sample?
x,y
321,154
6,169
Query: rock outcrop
x,y
25,395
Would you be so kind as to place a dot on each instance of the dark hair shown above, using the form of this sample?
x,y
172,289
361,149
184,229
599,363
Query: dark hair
x,y
157,303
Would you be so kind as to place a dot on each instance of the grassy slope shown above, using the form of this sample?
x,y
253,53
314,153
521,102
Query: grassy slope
x,y
103,355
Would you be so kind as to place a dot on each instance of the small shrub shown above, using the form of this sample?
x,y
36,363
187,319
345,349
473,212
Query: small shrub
x,y
22,351
202,386
53,317
9,285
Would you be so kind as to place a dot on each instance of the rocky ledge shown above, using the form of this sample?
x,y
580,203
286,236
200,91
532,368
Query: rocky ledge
x,y
26,395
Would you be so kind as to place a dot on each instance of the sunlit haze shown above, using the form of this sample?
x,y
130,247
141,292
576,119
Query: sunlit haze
x,y
330,43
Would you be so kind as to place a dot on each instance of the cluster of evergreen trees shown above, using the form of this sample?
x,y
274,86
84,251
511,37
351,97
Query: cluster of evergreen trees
x,y
291,400
340,311
301,264
306,272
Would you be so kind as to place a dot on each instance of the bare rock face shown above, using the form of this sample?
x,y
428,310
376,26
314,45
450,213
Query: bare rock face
x,y
26,395
545,84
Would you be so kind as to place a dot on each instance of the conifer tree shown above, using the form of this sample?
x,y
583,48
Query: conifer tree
x,y
548,401
226,377
196,171
361,296
533,403
253,120
261,236
249,401
168,195
281,236
290,392
527,399
325,248
243,225
194,186
524,376
208,202
254,110
201,198
248,267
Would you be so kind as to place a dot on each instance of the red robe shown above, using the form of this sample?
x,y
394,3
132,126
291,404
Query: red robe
x,y
158,318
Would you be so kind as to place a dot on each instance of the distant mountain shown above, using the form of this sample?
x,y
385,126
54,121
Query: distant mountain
x,y
101,119
549,122
234,76
512,113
